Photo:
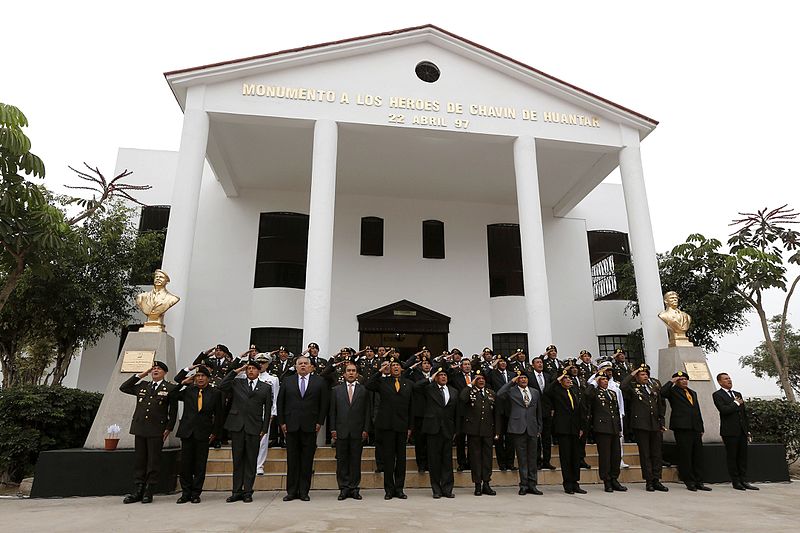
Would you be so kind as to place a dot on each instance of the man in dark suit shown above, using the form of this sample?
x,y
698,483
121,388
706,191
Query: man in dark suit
x,y
349,418
200,424
247,422
504,448
459,378
393,423
416,372
525,427
477,404
645,410
153,420
568,427
734,428
302,408
602,414
440,402
539,379
686,422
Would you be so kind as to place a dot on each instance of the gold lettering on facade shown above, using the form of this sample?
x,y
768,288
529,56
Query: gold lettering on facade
x,y
455,108
369,100
423,120
493,111
530,114
571,119
344,99
417,104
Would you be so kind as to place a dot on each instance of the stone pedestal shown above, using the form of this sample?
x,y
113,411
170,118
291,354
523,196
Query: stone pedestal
x,y
117,407
671,360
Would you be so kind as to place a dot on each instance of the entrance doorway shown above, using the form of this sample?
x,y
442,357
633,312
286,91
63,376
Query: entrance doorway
x,y
405,326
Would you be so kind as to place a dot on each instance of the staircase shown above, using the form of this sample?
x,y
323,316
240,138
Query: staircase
x,y
219,473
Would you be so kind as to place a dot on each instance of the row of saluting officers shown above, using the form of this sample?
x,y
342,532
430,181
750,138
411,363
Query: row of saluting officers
x,y
517,411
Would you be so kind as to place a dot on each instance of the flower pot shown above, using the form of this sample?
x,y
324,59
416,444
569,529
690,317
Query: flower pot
x,y
111,444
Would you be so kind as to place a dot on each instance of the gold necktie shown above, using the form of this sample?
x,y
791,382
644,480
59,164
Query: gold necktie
x,y
689,396
571,401
397,384
199,399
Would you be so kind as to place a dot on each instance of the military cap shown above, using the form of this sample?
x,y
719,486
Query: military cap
x,y
585,352
478,374
393,359
619,351
519,372
204,370
162,365
604,365
313,345
456,351
551,347
644,367
487,349
601,375
424,358
282,349
680,374
253,363
571,362
441,367
263,358
501,357
565,372
223,348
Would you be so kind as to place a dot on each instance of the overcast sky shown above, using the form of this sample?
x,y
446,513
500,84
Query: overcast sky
x,y
721,78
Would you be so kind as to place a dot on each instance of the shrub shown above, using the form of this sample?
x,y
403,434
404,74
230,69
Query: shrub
x,y
776,421
38,418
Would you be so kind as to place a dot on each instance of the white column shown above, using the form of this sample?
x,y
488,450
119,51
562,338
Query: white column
x,y
643,248
317,302
534,269
183,208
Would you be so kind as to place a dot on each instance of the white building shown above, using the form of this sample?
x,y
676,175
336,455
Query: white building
x,y
424,171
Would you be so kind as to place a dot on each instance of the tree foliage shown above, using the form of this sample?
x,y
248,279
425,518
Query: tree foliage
x,y
761,360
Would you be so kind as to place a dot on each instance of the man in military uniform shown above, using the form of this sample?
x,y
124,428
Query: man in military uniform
x,y
620,365
646,416
504,447
686,422
283,365
369,364
517,361
569,427
477,405
585,367
486,363
460,378
218,360
318,363
551,363
153,420
603,416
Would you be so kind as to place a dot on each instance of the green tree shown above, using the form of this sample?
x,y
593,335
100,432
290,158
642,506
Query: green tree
x,y
761,360
761,248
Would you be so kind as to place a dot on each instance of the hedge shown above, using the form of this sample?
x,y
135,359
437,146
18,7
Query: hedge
x,y
38,418
776,421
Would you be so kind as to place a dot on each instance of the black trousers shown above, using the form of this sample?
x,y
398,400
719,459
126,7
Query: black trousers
x,y
736,455
609,455
461,451
348,462
393,446
690,456
440,462
244,447
526,448
546,442
147,459
569,454
649,443
375,438
480,458
504,446
420,444
300,449
194,456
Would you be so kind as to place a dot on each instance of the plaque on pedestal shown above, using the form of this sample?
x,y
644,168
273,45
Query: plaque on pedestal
x,y
137,361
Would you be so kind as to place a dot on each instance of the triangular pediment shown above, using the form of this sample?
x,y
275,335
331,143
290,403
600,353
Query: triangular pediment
x,y
403,315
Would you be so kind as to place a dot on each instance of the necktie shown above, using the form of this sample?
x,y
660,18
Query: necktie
x,y
444,398
571,401
252,386
397,384
689,396
350,393
199,399
302,386
526,397
540,379
467,379
505,377
733,397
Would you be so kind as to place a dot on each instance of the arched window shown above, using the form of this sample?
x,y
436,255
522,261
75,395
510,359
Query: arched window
x,y
505,260
433,239
282,250
371,236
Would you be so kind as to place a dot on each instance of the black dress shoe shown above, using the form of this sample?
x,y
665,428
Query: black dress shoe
x,y
649,487
607,486
247,499
286,498
238,497
585,465
523,492
617,487
489,491
513,468
691,487
147,495
342,495
548,466
135,496
478,491
449,495
738,486
578,490
217,445
749,486
305,498
196,499
187,499
387,496
503,468
569,491
700,486
401,495
355,494
534,490
437,496
659,487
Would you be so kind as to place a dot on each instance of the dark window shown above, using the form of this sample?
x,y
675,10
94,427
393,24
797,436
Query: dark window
x,y
505,260
608,252
371,236
427,71
507,343
433,239
282,250
609,343
154,220
268,339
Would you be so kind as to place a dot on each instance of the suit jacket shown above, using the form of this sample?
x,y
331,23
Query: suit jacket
x,y
303,413
346,419
155,411
198,425
477,411
250,411
395,410
568,416
416,375
439,418
644,410
732,417
685,415
456,379
496,382
522,420
602,410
